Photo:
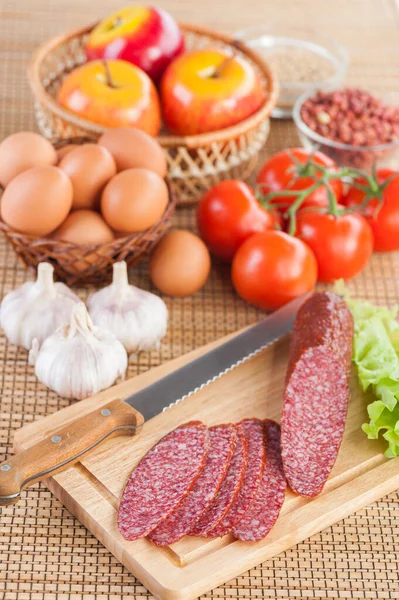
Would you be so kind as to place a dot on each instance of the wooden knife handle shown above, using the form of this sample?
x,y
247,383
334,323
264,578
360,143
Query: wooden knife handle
x,y
65,447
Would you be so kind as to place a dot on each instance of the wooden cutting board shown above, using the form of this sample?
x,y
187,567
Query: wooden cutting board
x,y
193,566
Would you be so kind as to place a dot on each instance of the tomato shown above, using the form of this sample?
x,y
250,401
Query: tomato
x,y
385,222
228,214
270,269
354,196
280,173
342,244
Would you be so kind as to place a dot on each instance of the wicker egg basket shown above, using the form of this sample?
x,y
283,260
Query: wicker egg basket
x,y
89,264
196,162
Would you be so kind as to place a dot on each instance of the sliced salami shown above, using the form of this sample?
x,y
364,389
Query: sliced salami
x,y
188,512
255,435
163,477
317,392
228,490
265,507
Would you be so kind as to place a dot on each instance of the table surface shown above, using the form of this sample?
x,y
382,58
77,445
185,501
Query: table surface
x,y
44,552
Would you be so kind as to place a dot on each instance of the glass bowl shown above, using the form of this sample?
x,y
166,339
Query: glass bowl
x,y
299,57
348,155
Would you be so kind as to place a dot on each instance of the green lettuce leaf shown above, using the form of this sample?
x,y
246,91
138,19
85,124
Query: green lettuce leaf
x,y
376,356
373,352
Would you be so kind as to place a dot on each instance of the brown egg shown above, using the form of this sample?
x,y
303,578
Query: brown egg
x,y
37,201
61,152
89,167
22,151
180,263
84,227
132,148
134,200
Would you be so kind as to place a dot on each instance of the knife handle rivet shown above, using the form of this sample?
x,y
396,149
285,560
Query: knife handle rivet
x,y
5,467
105,412
55,439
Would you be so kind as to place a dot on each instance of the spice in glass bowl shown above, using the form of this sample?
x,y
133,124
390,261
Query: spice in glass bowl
x,y
350,125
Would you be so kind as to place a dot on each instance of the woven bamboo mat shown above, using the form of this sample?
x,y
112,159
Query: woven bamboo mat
x,y
44,552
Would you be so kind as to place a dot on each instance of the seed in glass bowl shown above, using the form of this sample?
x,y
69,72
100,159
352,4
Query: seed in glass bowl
x,y
300,65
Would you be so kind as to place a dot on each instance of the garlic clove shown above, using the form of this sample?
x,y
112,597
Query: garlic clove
x,y
79,359
36,309
138,318
34,351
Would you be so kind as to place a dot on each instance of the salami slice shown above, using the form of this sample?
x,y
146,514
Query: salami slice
x,y
317,392
184,517
264,509
161,480
228,490
255,435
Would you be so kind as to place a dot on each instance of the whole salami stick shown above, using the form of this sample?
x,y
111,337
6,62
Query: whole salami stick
x,y
317,392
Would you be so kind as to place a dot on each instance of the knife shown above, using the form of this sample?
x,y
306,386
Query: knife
x,y
68,445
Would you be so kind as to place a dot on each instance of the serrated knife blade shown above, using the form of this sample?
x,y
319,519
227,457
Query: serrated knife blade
x,y
66,446
189,379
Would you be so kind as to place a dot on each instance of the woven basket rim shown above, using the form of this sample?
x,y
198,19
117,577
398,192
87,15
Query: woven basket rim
x,y
167,141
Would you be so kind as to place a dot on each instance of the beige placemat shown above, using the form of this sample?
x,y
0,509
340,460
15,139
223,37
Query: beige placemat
x,y
44,552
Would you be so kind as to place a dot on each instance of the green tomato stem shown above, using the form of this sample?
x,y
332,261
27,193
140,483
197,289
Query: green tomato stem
x,y
293,209
332,201
322,176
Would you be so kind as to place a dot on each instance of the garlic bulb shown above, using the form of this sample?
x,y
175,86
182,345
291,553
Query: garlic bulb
x,y
79,359
138,318
37,308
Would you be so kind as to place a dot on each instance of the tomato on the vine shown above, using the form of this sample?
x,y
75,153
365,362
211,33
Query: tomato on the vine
x,y
281,172
342,243
228,214
270,269
384,219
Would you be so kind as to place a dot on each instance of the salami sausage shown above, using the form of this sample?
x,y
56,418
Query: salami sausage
x,y
162,479
255,435
265,507
183,518
316,392
228,490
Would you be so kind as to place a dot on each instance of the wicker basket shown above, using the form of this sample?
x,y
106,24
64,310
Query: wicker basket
x,y
195,163
90,263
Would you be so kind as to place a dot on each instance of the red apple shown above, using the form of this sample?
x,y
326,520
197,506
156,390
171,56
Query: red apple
x,y
207,90
146,36
113,93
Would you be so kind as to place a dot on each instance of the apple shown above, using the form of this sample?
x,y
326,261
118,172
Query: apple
x,y
207,90
146,36
113,93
